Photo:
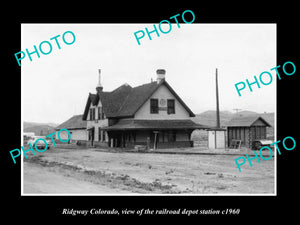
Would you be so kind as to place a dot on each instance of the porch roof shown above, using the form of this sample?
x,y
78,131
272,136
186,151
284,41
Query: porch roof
x,y
132,124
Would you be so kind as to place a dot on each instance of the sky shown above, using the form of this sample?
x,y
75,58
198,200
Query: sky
x,y
56,86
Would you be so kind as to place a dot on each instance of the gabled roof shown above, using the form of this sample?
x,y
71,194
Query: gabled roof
x,y
113,101
75,122
136,98
246,121
125,101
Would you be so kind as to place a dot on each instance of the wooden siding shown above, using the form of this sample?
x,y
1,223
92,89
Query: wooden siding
x,y
162,93
246,134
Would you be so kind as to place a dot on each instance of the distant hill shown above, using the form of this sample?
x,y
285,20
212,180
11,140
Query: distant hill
x,y
209,117
246,113
39,129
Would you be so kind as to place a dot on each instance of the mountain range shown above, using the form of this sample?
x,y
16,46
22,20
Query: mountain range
x,y
39,129
209,117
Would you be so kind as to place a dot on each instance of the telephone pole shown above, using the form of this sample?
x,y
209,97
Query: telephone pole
x,y
237,110
217,98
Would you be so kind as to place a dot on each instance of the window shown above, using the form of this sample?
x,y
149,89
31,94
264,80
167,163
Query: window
x,y
153,105
101,134
91,134
92,114
100,113
171,106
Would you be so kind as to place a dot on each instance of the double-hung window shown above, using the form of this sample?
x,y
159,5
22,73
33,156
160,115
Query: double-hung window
x,y
153,105
171,106
92,114
100,113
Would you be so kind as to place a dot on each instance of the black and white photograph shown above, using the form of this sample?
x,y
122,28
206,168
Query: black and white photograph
x,y
141,109
149,111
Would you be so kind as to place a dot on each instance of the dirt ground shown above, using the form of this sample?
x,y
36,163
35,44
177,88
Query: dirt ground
x,y
43,180
91,171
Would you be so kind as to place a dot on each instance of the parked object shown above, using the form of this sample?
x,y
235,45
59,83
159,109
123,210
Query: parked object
x,y
40,144
258,144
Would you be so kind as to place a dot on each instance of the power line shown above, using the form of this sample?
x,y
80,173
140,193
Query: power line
x,y
237,110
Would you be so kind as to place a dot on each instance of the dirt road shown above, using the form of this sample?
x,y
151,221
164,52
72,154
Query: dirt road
x,y
43,180
93,171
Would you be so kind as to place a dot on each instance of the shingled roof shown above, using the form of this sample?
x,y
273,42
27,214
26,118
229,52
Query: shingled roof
x,y
246,121
125,101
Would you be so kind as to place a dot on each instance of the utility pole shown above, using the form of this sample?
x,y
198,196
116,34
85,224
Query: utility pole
x,y
237,110
217,99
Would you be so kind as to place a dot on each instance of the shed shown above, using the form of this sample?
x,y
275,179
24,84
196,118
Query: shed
x,y
216,138
76,126
245,130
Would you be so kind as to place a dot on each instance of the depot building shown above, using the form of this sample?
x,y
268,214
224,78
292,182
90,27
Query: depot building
x,y
151,114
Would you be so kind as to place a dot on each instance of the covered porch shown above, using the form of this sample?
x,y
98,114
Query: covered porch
x,y
153,134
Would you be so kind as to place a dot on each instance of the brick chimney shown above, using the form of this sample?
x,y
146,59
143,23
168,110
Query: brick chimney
x,y
161,75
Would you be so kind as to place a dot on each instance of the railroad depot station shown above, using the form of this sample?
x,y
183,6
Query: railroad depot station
x,y
151,115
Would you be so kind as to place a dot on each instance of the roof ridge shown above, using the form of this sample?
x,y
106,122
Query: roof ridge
x,y
245,116
145,84
125,84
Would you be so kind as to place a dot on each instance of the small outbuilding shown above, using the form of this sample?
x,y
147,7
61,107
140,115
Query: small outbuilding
x,y
216,138
242,131
77,128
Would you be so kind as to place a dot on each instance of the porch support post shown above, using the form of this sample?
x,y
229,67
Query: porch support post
x,y
155,139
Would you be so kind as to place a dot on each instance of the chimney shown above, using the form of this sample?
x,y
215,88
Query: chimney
x,y
99,86
161,74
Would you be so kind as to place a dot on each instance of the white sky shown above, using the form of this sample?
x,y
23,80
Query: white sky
x,y
56,86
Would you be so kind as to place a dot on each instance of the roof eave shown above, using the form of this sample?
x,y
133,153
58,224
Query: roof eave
x,y
87,106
